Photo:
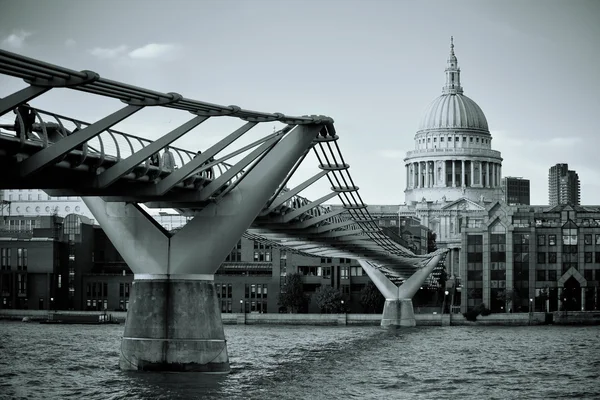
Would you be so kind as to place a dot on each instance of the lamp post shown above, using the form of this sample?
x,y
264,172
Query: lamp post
x,y
241,306
444,305
343,309
530,310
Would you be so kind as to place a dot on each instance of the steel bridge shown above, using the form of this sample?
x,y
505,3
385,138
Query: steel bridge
x,y
230,190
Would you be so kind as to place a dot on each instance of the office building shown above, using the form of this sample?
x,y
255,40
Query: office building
x,y
563,185
516,190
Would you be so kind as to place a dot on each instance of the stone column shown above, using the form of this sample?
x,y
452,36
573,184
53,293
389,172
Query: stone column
x,y
472,180
487,176
415,175
499,173
444,181
418,174
462,173
453,173
407,177
480,173
583,290
428,174
493,182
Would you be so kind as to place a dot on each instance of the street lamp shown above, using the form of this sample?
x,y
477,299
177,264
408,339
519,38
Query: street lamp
x,y
343,309
530,305
241,306
530,310
444,305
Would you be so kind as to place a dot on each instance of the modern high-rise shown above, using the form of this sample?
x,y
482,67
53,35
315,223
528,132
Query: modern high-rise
x,y
516,190
563,186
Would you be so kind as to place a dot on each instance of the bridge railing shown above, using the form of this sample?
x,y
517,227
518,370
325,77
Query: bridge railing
x,y
110,146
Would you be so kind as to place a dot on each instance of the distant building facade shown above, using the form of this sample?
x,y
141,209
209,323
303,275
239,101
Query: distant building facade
x,y
516,190
563,185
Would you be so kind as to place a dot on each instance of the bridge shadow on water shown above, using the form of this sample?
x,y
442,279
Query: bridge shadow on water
x,y
175,385
268,361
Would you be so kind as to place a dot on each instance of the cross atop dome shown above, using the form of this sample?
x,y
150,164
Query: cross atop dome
x,y
452,73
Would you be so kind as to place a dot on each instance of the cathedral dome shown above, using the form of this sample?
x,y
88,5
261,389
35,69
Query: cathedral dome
x,y
453,111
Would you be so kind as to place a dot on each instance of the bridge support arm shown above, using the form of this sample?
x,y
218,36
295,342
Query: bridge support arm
x,y
398,309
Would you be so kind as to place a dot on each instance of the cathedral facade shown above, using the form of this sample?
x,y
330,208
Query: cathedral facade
x,y
453,172
510,258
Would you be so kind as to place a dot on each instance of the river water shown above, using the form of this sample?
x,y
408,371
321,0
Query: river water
x,y
292,362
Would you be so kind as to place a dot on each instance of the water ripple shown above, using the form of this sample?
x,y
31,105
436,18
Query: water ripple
x,y
72,362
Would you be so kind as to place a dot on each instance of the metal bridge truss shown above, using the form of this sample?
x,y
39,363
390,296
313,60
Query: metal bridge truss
x,y
69,157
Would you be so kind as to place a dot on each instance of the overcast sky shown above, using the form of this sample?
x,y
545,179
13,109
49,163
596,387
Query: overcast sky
x,y
532,66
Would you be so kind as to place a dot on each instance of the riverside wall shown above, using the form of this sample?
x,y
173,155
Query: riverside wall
x,y
513,319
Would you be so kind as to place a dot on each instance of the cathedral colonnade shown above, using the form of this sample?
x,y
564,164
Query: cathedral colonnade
x,y
453,173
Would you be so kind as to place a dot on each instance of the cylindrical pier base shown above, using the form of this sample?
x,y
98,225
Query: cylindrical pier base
x,y
397,313
174,325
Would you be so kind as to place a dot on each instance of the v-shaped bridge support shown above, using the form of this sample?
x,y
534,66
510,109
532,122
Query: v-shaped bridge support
x,y
174,320
398,309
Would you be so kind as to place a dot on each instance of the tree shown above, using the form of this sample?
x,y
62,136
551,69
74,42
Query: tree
x,y
329,300
371,299
431,241
510,297
292,294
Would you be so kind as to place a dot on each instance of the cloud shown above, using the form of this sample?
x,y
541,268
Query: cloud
x,y
564,141
70,42
392,153
124,56
108,53
152,50
16,40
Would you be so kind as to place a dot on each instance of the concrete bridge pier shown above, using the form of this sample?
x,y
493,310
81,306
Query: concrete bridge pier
x,y
174,318
398,310
174,325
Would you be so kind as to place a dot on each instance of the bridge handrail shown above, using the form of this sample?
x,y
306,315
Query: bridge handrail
x,y
42,75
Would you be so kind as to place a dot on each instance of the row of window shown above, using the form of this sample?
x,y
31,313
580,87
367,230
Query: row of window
x,y
456,139
325,272
100,289
569,238
6,260
246,306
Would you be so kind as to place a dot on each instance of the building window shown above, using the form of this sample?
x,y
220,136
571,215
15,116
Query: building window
x,y
569,236
236,252
587,239
356,271
597,239
552,275
309,270
6,259
541,275
344,272
552,257
588,274
541,258
474,269
551,240
521,222
521,253
541,240
588,257
22,259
